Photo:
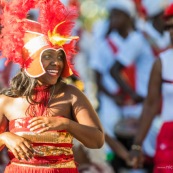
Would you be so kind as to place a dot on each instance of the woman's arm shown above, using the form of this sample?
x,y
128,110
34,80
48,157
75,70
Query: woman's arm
x,y
152,103
20,147
3,122
117,147
87,127
150,110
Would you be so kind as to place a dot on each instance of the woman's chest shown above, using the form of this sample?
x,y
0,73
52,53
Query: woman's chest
x,y
20,108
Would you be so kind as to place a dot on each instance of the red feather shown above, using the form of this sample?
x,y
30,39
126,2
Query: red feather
x,y
71,51
52,12
13,30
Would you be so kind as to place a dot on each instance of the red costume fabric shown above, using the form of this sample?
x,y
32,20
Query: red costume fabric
x,y
52,151
128,73
164,151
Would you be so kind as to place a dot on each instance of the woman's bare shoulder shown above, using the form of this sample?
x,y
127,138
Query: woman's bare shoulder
x,y
69,88
72,89
4,99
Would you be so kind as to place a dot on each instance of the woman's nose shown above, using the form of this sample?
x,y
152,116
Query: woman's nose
x,y
54,62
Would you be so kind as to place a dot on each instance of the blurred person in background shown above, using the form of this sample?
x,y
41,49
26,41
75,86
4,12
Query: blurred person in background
x,y
160,86
135,50
152,25
108,45
82,60
136,53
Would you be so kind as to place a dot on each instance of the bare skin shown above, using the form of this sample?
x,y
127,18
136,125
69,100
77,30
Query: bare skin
x,y
70,111
117,147
151,104
150,110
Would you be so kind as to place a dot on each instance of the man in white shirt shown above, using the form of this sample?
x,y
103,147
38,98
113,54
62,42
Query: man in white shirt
x,y
153,25
120,37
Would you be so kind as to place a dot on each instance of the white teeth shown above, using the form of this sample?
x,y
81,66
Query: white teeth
x,y
52,72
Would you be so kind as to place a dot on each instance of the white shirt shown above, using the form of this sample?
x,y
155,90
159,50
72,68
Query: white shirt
x,y
103,58
162,41
136,50
167,88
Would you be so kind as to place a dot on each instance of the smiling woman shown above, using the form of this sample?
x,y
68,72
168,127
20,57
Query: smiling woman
x,y
43,113
53,62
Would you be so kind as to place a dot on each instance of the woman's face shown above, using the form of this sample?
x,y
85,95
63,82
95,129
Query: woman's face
x,y
53,63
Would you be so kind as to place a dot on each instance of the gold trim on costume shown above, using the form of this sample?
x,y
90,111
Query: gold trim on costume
x,y
47,137
52,151
70,164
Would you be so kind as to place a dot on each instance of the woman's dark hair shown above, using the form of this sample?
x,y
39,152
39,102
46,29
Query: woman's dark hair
x,y
20,85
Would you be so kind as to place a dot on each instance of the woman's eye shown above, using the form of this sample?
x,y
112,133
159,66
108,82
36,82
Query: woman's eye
x,y
60,58
47,56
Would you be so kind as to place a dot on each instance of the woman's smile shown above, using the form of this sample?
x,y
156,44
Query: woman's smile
x,y
53,72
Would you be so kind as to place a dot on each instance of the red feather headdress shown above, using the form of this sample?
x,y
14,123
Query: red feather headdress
x,y
54,28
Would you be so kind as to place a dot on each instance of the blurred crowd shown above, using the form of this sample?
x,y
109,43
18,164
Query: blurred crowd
x,y
124,66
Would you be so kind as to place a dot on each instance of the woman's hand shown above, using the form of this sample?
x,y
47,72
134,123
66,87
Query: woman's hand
x,y
43,124
136,159
19,146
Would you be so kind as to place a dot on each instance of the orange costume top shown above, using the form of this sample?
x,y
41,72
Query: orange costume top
x,y
52,151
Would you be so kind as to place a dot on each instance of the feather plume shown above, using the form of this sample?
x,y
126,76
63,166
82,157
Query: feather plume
x,y
71,51
53,12
57,22
12,20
